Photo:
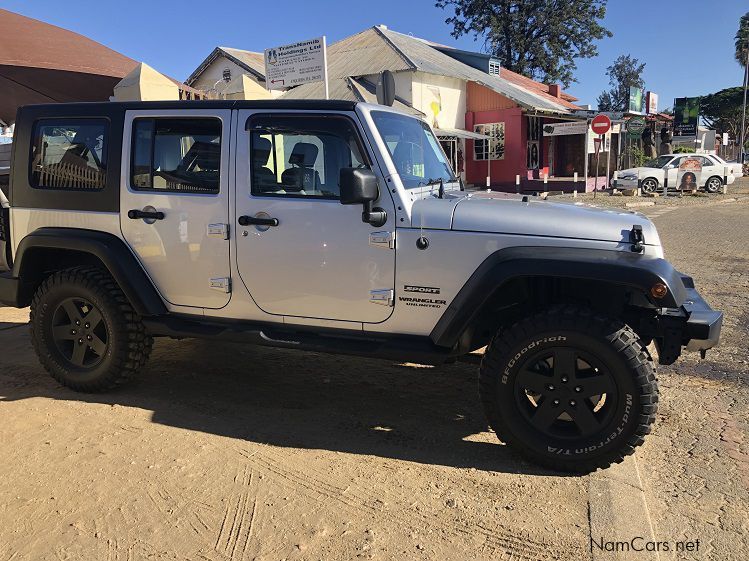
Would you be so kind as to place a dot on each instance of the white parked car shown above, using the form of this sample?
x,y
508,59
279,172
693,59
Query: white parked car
x,y
738,169
654,172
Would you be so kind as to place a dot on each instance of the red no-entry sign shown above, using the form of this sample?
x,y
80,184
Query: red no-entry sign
x,y
600,124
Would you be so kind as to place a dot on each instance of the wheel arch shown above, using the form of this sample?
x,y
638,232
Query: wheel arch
x,y
47,250
516,280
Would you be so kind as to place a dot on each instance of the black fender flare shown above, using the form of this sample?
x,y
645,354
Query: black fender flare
x,y
622,268
107,248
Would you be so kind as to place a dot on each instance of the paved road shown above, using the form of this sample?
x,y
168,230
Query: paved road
x,y
224,452
696,464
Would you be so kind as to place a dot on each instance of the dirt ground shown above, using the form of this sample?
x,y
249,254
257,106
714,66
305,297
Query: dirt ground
x,y
225,452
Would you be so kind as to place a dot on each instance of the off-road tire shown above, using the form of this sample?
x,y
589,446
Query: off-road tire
x,y
713,184
634,391
128,345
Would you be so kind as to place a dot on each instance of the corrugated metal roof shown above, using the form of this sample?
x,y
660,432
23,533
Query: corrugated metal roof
x,y
254,60
427,59
347,88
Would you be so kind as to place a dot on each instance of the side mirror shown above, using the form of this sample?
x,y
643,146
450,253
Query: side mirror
x,y
670,166
359,186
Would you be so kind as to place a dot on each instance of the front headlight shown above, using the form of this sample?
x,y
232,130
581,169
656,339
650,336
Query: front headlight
x,y
628,177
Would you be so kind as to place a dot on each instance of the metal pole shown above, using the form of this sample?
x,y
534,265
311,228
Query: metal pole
x,y
585,151
325,65
608,157
743,112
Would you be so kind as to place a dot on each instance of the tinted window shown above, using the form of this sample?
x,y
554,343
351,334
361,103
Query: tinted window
x,y
69,154
178,155
301,156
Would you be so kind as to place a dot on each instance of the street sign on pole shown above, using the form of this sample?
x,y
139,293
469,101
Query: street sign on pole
x,y
296,64
600,124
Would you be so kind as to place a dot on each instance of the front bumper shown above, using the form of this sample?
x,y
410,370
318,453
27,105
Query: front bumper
x,y
703,324
694,326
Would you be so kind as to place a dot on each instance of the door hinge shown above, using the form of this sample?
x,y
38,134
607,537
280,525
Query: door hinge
x,y
385,240
218,231
222,284
383,297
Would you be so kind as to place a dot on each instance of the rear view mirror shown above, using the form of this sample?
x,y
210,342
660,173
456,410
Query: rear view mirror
x,y
360,186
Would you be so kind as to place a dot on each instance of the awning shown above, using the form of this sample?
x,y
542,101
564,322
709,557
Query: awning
x,y
460,133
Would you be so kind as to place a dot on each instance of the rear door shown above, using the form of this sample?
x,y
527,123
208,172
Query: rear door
x,y
175,202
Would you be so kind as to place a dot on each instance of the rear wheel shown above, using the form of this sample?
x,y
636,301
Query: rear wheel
x,y
85,332
713,184
649,185
569,389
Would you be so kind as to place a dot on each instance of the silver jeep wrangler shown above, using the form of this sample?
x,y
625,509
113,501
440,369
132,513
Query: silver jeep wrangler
x,y
339,227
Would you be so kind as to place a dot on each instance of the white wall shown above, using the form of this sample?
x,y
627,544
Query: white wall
x,y
449,92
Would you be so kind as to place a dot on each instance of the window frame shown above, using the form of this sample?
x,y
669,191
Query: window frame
x,y
338,116
154,118
105,151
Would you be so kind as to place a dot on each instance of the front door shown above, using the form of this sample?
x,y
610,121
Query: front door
x,y
175,202
319,260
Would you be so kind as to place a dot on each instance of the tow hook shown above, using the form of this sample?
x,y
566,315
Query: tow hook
x,y
637,238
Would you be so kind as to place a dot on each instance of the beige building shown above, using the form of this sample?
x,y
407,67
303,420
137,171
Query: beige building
x,y
232,74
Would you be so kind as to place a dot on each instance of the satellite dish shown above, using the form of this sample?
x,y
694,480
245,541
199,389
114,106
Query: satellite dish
x,y
386,88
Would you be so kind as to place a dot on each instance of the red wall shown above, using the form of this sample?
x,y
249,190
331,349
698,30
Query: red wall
x,y
515,146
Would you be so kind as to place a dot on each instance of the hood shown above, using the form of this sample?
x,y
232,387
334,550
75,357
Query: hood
x,y
508,214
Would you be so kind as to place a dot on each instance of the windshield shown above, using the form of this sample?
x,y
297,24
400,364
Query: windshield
x,y
415,151
658,162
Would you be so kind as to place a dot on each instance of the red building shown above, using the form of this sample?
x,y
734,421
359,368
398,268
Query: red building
x,y
519,145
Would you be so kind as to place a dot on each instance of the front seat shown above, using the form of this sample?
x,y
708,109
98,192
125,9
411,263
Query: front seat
x,y
302,177
263,179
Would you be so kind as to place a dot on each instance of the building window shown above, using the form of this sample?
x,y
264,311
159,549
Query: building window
x,y
533,149
492,148
69,154
227,75
494,67
176,155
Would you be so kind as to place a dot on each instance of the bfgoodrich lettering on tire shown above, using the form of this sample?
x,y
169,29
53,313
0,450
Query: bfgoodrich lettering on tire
x,y
569,388
85,332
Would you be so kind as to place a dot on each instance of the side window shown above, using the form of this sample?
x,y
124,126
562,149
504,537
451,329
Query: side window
x,y
301,156
69,154
181,155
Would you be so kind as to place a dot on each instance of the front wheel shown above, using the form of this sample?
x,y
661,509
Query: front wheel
x,y
85,332
713,184
569,389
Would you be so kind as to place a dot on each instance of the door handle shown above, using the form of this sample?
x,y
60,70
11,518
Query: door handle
x,y
136,214
257,221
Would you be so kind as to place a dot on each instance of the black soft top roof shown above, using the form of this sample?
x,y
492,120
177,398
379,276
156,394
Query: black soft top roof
x,y
103,107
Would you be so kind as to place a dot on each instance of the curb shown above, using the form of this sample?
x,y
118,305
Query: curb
x,y
618,512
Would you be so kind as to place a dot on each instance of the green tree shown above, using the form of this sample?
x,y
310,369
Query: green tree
x,y
626,72
722,111
540,39
742,40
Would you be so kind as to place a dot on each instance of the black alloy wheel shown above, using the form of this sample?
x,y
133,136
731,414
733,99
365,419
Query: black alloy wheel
x,y
565,392
569,388
85,332
79,333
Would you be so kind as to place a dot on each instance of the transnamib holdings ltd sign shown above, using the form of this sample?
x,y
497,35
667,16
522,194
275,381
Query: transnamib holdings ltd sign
x,y
295,64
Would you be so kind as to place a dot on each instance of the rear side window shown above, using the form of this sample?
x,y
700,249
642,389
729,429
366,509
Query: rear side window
x,y
69,154
176,155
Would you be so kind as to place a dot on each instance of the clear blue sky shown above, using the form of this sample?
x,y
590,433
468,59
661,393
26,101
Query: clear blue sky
x,y
687,44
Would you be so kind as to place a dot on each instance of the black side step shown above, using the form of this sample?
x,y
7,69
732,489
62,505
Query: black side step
x,y
402,348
